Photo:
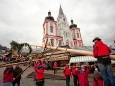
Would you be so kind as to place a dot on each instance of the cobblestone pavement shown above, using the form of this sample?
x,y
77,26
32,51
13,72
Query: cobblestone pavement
x,y
48,82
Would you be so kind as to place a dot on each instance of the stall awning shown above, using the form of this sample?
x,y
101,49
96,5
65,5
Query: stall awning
x,y
84,59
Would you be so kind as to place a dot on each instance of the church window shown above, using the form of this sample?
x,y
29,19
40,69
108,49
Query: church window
x,y
51,29
77,35
52,42
67,42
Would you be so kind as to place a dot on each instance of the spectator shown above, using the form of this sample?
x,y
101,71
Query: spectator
x,y
55,67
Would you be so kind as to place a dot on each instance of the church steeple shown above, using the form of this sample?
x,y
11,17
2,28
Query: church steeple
x,y
61,11
49,13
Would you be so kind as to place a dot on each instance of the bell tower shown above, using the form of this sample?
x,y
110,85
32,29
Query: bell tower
x,y
49,30
76,35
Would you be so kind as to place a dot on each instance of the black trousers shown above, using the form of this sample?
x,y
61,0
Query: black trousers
x,y
67,80
16,82
55,70
40,82
75,79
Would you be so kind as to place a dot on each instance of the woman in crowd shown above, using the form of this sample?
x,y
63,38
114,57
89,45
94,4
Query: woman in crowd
x,y
8,76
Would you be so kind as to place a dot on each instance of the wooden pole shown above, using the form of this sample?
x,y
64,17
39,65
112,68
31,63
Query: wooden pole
x,y
82,52
7,64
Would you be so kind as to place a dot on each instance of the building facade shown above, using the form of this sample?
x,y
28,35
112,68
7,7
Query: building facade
x,y
60,33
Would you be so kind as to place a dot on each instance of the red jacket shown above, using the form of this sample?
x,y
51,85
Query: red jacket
x,y
83,77
40,74
35,66
74,71
67,72
55,65
98,82
7,77
101,49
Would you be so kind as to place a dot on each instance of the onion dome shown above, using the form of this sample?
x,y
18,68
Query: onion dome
x,y
72,25
49,17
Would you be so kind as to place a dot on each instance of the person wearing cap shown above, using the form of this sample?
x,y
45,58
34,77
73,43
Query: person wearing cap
x,y
102,53
67,74
83,75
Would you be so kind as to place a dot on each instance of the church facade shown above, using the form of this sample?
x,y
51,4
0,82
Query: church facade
x,y
60,33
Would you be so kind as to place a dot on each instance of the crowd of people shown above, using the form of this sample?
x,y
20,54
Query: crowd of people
x,y
12,76
103,75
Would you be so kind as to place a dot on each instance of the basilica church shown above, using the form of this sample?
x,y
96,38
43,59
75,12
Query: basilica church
x,y
59,32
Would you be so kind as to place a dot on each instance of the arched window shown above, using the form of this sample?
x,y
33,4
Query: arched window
x,y
77,35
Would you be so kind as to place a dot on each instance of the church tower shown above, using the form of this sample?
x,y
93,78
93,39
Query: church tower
x,y
59,33
49,30
63,28
76,35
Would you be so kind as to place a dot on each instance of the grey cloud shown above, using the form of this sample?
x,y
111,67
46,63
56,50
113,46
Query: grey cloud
x,y
22,20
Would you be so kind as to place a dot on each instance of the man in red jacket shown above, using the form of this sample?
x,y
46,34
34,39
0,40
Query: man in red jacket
x,y
102,53
67,74
75,76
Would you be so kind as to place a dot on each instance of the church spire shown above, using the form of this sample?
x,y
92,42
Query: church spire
x,y
61,11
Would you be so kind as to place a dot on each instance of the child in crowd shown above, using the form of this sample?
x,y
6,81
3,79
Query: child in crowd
x,y
98,81
83,75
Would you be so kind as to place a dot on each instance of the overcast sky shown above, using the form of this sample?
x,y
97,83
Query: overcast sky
x,y
22,20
